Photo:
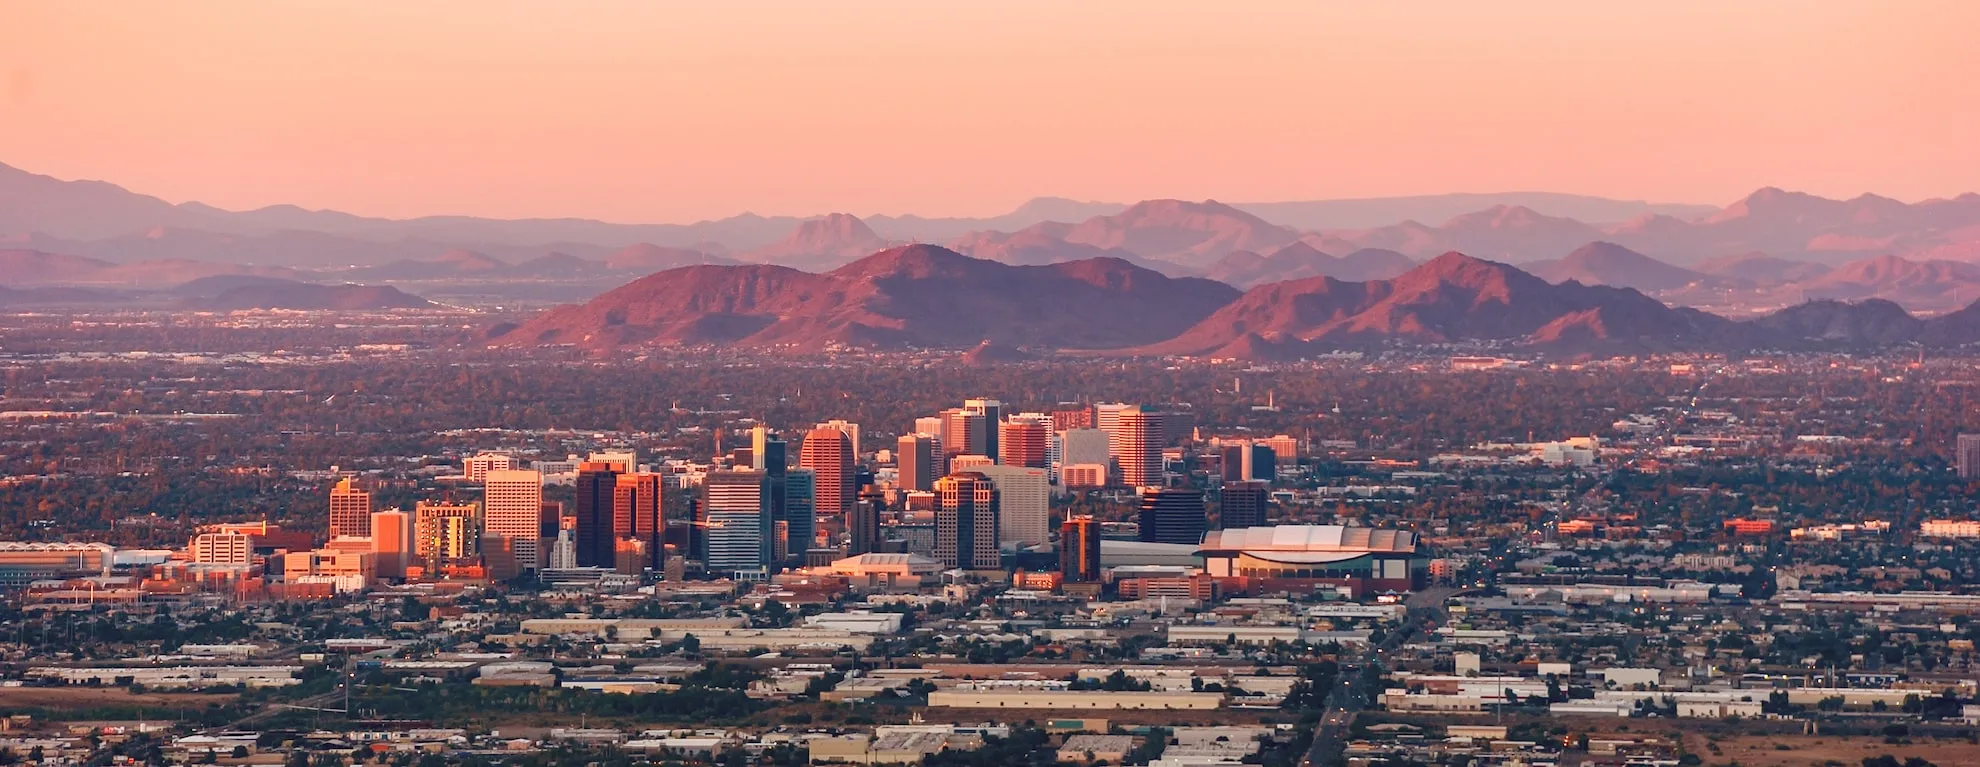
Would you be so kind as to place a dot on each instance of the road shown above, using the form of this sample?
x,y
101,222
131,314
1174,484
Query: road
x,y
334,700
1360,680
328,700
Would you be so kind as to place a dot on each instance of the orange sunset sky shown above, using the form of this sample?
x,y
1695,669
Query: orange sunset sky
x,y
665,111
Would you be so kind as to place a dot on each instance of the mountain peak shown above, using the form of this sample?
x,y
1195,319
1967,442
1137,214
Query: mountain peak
x,y
826,241
835,227
917,260
1189,233
1501,217
1774,202
1300,251
1603,249
1455,263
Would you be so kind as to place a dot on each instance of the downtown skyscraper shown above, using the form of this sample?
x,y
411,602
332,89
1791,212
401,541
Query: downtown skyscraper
x,y
1243,504
639,513
1135,443
828,454
966,522
1079,549
350,510
512,510
597,481
915,458
733,518
1173,515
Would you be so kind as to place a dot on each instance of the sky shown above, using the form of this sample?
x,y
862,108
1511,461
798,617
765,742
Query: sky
x,y
649,111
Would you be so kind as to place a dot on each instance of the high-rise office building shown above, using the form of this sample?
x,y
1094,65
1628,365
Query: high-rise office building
x,y
350,510
1135,444
1072,418
622,461
1968,446
929,425
392,542
1230,461
639,513
801,510
914,460
966,522
963,432
992,413
1079,549
512,509
594,538
863,528
446,533
1246,461
1084,446
1173,515
1107,416
969,462
550,518
1284,449
828,454
1024,504
848,428
734,521
1243,504
760,438
1025,440
632,557
1260,464
771,455
562,547
476,467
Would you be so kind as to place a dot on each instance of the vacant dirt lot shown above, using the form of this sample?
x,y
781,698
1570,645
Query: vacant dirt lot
x,y
17,698
1816,750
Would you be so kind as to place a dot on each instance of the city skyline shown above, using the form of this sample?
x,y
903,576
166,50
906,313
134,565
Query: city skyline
x,y
1298,384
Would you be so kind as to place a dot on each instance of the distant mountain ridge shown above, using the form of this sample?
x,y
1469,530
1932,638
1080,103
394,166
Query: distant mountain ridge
x,y
87,211
1768,250
916,296
306,297
928,297
1606,263
1300,260
1452,298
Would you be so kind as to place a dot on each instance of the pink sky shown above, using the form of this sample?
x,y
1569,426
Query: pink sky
x,y
665,111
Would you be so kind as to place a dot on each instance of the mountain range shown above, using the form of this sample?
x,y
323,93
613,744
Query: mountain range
x,y
914,296
1768,251
928,297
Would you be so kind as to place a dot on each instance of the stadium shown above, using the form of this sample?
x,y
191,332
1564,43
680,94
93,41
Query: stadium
x,y
1302,557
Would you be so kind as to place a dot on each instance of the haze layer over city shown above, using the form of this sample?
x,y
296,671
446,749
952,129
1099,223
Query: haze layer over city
x,y
966,385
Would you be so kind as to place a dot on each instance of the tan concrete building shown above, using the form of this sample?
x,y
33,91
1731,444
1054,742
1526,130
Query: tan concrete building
x,y
1074,699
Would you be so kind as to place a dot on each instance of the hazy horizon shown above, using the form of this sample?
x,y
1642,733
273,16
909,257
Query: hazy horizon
x,y
645,113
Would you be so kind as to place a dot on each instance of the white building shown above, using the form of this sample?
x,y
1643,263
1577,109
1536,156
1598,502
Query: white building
x,y
858,622
476,467
1083,446
512,508
1024,504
